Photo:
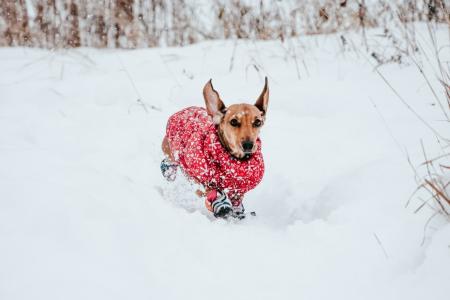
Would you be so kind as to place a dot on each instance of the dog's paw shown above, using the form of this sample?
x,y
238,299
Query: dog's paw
x,y
238,212
169,169
219,204
223,212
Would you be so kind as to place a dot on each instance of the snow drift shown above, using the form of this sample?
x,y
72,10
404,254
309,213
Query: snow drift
x,y
85,213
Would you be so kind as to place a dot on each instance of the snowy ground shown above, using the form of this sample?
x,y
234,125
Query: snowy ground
x,y
85,213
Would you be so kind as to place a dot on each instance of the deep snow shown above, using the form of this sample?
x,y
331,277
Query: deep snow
x,y
85,213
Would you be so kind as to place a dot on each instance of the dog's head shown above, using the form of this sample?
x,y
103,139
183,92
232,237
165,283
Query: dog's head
x,y
238,124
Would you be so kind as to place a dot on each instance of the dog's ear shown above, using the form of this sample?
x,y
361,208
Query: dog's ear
x,y
263,100
214,106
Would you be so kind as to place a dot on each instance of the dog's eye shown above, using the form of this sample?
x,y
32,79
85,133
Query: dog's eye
x,y
257,123
234,123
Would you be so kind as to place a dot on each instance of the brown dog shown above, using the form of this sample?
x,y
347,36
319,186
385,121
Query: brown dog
x,y
218,147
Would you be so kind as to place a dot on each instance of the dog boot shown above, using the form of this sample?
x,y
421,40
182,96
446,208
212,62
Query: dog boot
x,y
169,169
218,203
238,211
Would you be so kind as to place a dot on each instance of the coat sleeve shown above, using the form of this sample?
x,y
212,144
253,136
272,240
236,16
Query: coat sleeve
x,y
196,162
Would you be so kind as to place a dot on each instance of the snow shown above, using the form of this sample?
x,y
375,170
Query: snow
x,y
86,214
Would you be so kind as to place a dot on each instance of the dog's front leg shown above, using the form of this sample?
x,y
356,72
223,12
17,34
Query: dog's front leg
x,y
165,146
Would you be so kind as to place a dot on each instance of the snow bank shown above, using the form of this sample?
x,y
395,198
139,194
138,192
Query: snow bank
x,y
85,214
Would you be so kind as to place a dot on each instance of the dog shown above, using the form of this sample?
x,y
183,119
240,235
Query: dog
x,y
218,147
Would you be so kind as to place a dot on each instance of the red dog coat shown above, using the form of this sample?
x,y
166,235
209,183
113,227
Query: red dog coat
x,y
196,146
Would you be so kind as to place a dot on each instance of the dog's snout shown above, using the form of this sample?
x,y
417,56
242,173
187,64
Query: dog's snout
x,y
247,146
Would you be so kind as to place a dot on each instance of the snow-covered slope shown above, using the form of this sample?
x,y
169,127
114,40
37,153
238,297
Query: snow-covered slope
x,y
85,213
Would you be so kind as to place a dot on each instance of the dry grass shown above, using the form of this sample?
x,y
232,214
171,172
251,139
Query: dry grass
x,y
433,175
151,23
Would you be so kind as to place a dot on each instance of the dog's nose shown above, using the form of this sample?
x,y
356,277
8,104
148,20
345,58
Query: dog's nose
x,y
247,146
